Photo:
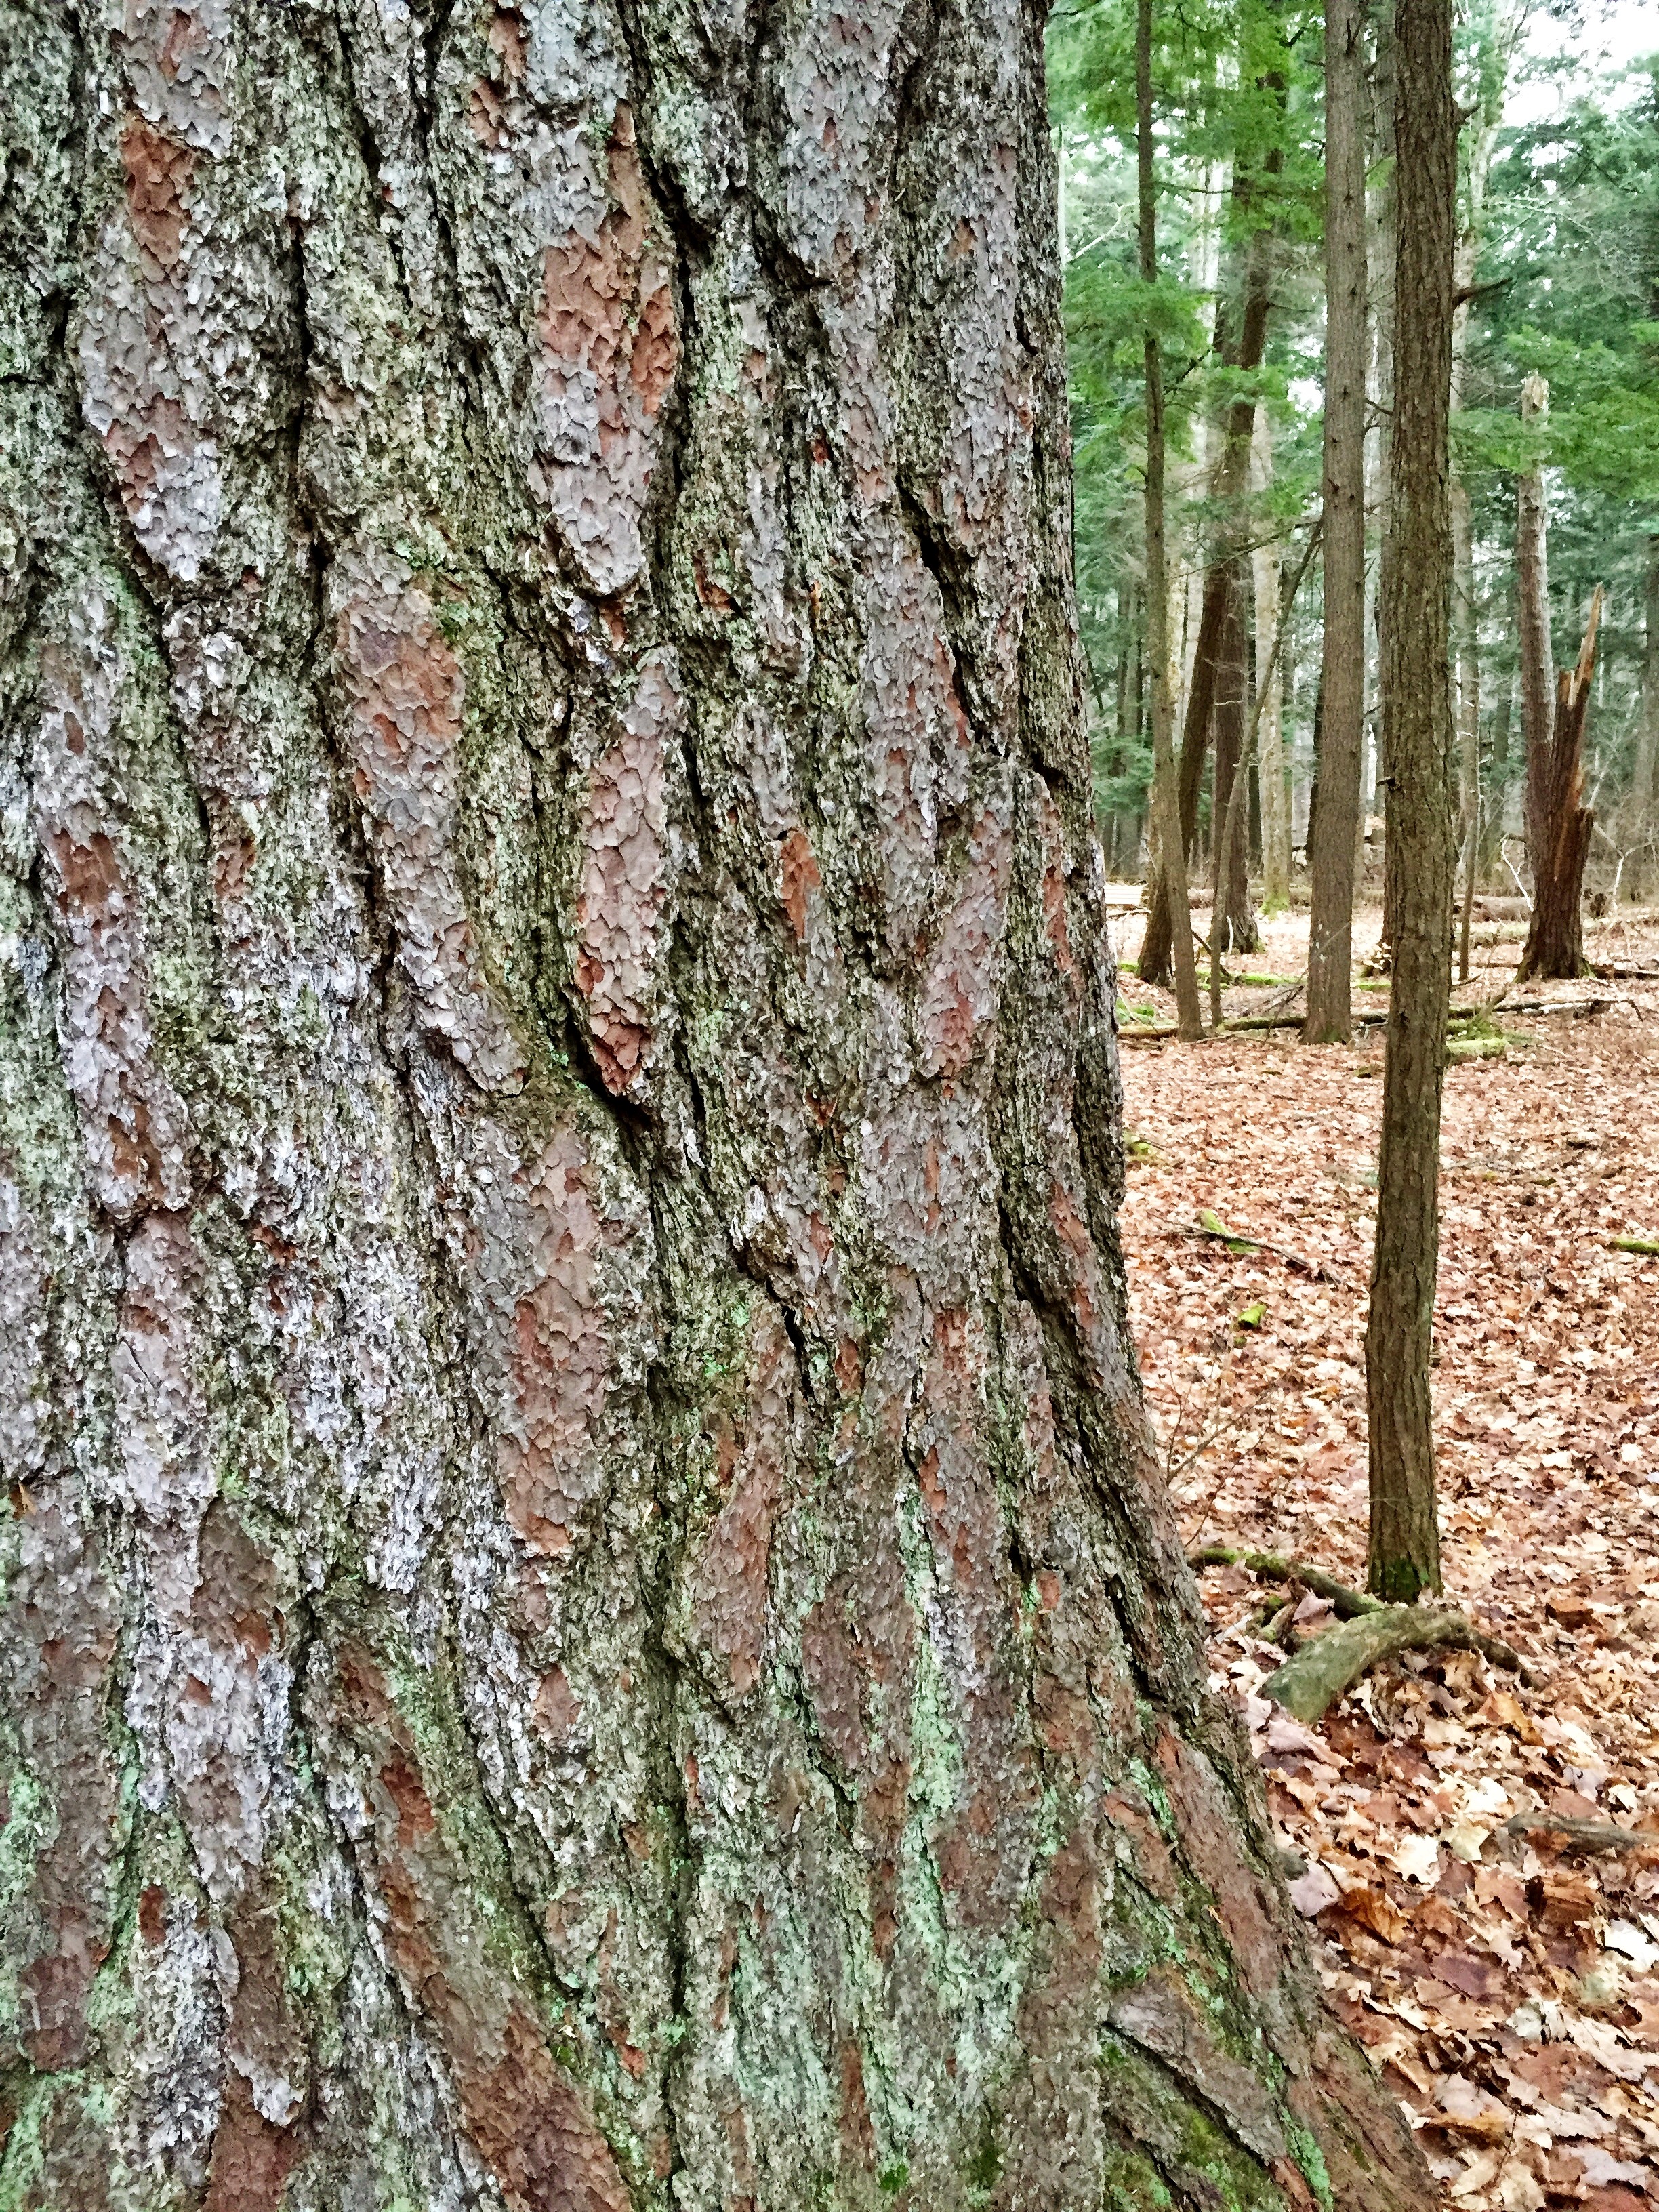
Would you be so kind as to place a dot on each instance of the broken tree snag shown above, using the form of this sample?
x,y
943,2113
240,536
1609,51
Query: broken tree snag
x,y
1561,834
1310,1684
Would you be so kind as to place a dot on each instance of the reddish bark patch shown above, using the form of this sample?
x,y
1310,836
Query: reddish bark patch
x,y
559,1355
90,873
959,995
801,875
729,1581
858,2139
509,42
1132,1816
528,2121
252,2159
624,883
1207,1822
555,1711
235,1603
159,174
268,2041
60,1645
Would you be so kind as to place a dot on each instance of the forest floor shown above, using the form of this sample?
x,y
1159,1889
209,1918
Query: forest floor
x,y
1506,1988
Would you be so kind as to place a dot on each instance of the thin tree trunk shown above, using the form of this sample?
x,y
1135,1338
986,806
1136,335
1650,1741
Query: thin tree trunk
x,y
1555,933
1334,826
1465,630
1270,750
1166,803
590,1622
1496,787
1221,586
1405,1548
1537,655
1237,931
1643,803
1499,36
1228,839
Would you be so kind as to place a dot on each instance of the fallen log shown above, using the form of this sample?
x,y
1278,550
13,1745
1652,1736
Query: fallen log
x,y
1584,1835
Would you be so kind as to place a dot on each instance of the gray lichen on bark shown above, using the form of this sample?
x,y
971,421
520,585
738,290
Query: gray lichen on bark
x,y
590,1621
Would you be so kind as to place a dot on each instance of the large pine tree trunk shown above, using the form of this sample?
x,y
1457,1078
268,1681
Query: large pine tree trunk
x,y
591,1620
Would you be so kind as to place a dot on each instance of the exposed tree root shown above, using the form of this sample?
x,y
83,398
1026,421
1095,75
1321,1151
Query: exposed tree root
x,y
1369,1632
1272,1568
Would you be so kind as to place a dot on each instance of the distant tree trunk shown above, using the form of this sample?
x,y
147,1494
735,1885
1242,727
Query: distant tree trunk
x,y
589,1620
1643,802
1416,699
1166,802
1495,789
1555,934
1221,586
1498,36
1333,824
1237,916
1467,646
1537,655
1270,745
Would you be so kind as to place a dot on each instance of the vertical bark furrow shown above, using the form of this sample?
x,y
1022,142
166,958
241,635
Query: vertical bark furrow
x,y
614,1638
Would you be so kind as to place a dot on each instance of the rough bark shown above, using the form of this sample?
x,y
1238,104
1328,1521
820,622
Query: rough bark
x,y
1334,826
1166,804
1417,733
589,1619
1216,650
1555,929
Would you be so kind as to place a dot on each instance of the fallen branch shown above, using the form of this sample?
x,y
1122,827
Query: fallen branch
x,y
1584,1835
1310,1684
1583,1007
1621,971
1238,1242
1645,1245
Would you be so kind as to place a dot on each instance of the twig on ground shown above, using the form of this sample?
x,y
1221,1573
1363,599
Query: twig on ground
x,y
1239,1242
1645,1245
